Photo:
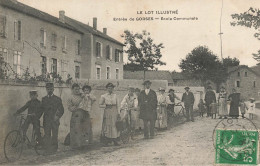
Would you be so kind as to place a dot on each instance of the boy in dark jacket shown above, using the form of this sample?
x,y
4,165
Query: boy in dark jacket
x,y
34,114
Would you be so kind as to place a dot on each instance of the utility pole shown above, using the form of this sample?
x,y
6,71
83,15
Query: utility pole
x,y
221,33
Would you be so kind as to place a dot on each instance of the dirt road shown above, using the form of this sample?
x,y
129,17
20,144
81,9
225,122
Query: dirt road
x,y
187,144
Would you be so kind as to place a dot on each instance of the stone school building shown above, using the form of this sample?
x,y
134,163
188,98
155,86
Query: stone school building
x,y
33,40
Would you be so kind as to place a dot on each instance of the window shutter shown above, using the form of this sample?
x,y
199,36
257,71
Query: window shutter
x,y
58,66
19,37
44,38
107,52
15,31
3,27
96,49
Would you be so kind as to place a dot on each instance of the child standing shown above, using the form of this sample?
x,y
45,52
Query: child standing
x,y
243,108
201,107
34,114
213,109
251,108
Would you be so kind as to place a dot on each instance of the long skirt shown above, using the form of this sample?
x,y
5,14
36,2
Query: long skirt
x,y
80,129
223,107
234,111
109,129
161,117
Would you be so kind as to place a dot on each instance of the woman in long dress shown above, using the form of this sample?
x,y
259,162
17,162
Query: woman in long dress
x,y
162,111
80,125
222,100
86,104
234,104
109,131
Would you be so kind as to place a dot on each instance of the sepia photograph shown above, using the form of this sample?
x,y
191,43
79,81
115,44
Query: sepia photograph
x,y
129,82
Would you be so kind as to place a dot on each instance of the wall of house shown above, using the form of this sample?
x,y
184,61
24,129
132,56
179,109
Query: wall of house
x,y
15,96
103,62
31,34
246,88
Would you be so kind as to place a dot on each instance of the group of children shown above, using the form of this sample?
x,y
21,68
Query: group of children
x,y
243,106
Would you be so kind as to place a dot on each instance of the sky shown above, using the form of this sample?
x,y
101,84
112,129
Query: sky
x,y
178,36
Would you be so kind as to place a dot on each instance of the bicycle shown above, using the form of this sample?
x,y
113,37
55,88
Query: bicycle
x,y
16,139
126,133
181,112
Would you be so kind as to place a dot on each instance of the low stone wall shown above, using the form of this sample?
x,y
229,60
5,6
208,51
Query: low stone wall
x,y
14,96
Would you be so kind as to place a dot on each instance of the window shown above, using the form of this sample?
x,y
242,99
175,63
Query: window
x,y
43,38
98,49
64,68
3,53
54,66
44,65
64,44
117,74
238,74
245,74
98,72
3,56
54,41
77,72
108,73
78,45
254,84
108,52
17,62
17,30
117,55
3,26
238,84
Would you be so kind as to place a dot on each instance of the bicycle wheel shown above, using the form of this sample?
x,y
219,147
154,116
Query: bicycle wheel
x,y
13,145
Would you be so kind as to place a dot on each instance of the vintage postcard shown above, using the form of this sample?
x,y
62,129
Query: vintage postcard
x,y
129,82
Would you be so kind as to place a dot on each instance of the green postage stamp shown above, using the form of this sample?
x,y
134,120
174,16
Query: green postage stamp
x,y
236,147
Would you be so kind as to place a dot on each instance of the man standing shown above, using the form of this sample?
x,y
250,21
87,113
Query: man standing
x,y
147,102
210,97
53,110
188,99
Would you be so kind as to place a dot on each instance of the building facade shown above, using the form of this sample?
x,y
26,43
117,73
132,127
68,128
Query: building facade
x,y
38,42
102,55
245,80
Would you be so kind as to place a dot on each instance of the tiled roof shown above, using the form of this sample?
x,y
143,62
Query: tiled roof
x,y
256,69
235,68
84,27
150,75
30,11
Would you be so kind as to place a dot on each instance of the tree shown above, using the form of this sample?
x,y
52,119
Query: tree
x,y
133,67
203,64
142,51
250,18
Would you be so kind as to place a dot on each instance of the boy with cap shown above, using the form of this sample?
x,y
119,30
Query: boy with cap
x,y
34,114
53,110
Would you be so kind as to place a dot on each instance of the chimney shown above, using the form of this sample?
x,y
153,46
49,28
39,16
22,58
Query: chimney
x,y
95,23
62,16
105,31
